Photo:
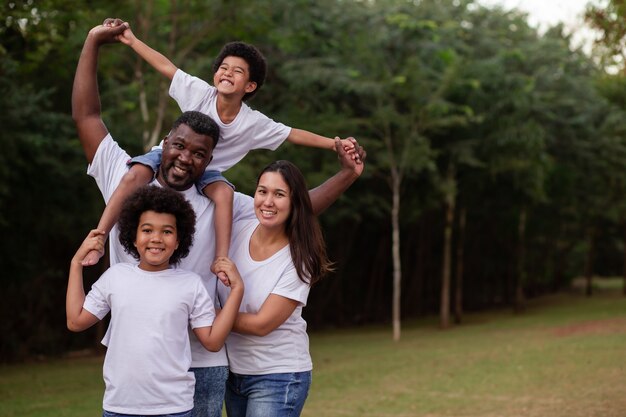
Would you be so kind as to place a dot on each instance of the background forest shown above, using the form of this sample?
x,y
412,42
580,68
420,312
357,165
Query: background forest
x,y
496,152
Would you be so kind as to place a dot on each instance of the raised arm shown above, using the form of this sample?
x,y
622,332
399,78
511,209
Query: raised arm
x,y
156,59
85,95
313,140
351,168
79,319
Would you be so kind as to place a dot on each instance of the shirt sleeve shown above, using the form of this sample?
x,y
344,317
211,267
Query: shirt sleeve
x,y
203,312
108,166
267,133
96,301
191,93
291,286
243,207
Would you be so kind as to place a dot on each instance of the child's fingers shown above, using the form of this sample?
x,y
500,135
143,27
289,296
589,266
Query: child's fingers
x,y
92,257
221,275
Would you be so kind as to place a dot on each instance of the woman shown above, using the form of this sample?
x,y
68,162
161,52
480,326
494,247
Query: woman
x,y
280,255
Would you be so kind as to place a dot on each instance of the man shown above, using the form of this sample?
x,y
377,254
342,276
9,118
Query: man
x,y
187,150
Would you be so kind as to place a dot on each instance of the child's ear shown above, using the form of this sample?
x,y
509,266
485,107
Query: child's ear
x,y
250,87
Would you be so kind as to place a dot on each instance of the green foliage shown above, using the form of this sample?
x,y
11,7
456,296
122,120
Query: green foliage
x,y
523,120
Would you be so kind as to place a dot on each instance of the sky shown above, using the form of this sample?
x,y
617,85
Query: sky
x,y
545,13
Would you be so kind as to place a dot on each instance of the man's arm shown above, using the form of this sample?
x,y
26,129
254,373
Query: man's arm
x,y
85,96
351,168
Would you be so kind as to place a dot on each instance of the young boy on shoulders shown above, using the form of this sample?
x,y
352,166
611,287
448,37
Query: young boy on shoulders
x,y
238,73
152,305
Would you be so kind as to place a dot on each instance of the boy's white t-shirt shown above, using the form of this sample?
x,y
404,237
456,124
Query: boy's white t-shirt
x,y
107,168
250,130
286,349
146,367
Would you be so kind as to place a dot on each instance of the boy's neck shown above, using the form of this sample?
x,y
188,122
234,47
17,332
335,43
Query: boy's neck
x,y
228,108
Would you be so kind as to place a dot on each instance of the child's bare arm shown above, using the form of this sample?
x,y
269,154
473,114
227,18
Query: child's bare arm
x,y
313,140
79,319
137,176
213,337
156,59
222,196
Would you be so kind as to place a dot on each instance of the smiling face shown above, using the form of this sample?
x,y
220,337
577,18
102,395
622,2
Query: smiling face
x,y
186,155
233,77
156,240
272,200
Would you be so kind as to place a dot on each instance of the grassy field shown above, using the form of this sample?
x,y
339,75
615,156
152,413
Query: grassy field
x,y
565,356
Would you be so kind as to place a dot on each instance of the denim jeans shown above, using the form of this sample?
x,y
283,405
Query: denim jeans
x,y
209,393
106,413
275,395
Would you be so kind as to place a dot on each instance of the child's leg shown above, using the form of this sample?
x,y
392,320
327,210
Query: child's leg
x,y
137,176
222,195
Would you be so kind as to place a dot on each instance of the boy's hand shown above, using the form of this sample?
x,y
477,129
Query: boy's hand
x,y
221,275
109,33
92,257
349,148
351,162
94,242
127,37
229,269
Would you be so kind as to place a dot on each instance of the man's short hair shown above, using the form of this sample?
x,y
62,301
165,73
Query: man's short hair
x,y
199,123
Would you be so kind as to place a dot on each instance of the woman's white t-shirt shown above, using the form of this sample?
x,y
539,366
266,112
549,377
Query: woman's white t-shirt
x,y
286,349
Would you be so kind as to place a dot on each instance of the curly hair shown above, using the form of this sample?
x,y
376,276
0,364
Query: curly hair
x,y
160,200
199,123
253,57
306,242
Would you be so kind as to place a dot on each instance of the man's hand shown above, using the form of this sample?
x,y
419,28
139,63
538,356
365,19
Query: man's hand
x,y
350,159
108,32
127,37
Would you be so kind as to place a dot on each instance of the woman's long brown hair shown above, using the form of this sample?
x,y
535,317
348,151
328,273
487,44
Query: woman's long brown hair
x,y
306,243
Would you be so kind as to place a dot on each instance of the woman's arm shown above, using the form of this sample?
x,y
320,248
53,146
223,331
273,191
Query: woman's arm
x,y
275,311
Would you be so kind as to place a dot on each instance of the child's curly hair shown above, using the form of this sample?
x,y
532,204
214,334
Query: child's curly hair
x,y
160,200
250,54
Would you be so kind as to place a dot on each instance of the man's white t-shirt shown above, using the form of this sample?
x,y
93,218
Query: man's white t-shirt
x,y
107,168
286,349
250,130
146,368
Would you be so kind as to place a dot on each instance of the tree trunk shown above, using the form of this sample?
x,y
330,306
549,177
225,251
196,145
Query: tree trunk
x,y
444,312
520,300
591,241
458,294
624,272
395,249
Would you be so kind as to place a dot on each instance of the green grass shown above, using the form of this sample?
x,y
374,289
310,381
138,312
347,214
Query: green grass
x,y
565,356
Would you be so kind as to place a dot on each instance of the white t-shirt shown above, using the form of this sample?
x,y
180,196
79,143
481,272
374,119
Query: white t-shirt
x,y
146,368
286,349
250,130
108,168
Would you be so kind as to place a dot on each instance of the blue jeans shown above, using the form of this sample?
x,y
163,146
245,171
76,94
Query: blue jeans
x,y
152,160
106,413
275,395
209,393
